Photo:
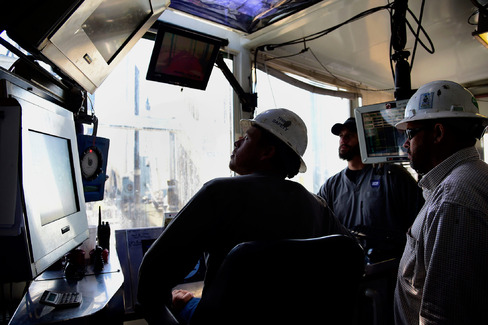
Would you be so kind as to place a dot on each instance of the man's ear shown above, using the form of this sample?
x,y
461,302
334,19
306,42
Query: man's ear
x,y
268,152
439,132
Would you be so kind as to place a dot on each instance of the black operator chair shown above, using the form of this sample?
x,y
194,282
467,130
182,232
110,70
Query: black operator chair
x,y
293,281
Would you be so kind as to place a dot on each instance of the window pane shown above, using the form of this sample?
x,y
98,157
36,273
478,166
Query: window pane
x,y
165,141
320,113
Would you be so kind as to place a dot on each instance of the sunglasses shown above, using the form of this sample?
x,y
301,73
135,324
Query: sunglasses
x,y
412,132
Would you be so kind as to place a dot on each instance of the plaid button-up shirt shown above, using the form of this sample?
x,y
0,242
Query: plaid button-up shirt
x,y
443,274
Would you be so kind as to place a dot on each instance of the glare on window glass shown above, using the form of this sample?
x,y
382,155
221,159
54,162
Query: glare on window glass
x,y
165,141
319,112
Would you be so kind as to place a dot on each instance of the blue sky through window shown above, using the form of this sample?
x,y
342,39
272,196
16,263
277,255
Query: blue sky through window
x,y
244,15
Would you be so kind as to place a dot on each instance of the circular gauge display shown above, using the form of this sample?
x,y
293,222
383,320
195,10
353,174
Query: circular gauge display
x,y
91,163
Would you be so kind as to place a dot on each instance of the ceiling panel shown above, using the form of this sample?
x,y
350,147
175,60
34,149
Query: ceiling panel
x,y
359,51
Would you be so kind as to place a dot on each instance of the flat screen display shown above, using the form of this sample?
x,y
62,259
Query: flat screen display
x,y
54,177
112,24
379,140
183,57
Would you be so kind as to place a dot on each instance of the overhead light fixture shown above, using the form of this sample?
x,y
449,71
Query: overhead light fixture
x,y
483,38
481,34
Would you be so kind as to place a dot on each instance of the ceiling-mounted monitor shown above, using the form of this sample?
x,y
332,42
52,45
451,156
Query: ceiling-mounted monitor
x,y
86,39
379,140
183,57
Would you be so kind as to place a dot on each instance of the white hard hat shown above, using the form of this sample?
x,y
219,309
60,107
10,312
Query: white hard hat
x,y
286,126
440,99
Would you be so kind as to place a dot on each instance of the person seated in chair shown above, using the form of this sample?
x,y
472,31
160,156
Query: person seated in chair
x,y
260,204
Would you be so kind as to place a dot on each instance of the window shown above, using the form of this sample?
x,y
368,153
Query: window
x,y
246,16
320,113
165,141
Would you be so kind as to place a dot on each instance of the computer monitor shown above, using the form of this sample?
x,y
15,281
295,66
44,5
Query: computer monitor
x,y
183,57
43,208
85,39
379,140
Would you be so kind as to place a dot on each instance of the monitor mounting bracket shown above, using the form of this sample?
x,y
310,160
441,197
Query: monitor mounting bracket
x,y
248,100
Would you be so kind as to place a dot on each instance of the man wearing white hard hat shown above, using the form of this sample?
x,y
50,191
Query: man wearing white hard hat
x,y
260,204
442,274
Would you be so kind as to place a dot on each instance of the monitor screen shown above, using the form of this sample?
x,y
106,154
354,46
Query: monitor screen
x,y
113,23
183,57
379,140
54,177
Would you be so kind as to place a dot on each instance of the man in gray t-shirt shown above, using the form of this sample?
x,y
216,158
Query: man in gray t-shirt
x,y
379,202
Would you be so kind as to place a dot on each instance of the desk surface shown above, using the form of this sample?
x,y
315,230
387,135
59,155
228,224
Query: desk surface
x,y
96,289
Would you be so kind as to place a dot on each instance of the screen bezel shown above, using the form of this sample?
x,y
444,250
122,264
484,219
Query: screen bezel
x,y
164,30
49,242
360,113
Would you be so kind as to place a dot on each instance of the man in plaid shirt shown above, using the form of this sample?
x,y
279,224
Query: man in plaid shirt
x,y
443,271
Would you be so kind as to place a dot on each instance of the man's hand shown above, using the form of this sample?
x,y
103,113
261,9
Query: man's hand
x,y
181,298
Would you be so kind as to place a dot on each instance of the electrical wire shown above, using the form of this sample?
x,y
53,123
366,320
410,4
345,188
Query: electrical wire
x,y
287,56
419,25
471,16
345,81
324,32
483,8
418,21
432,49
314,36
270,85
269,47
